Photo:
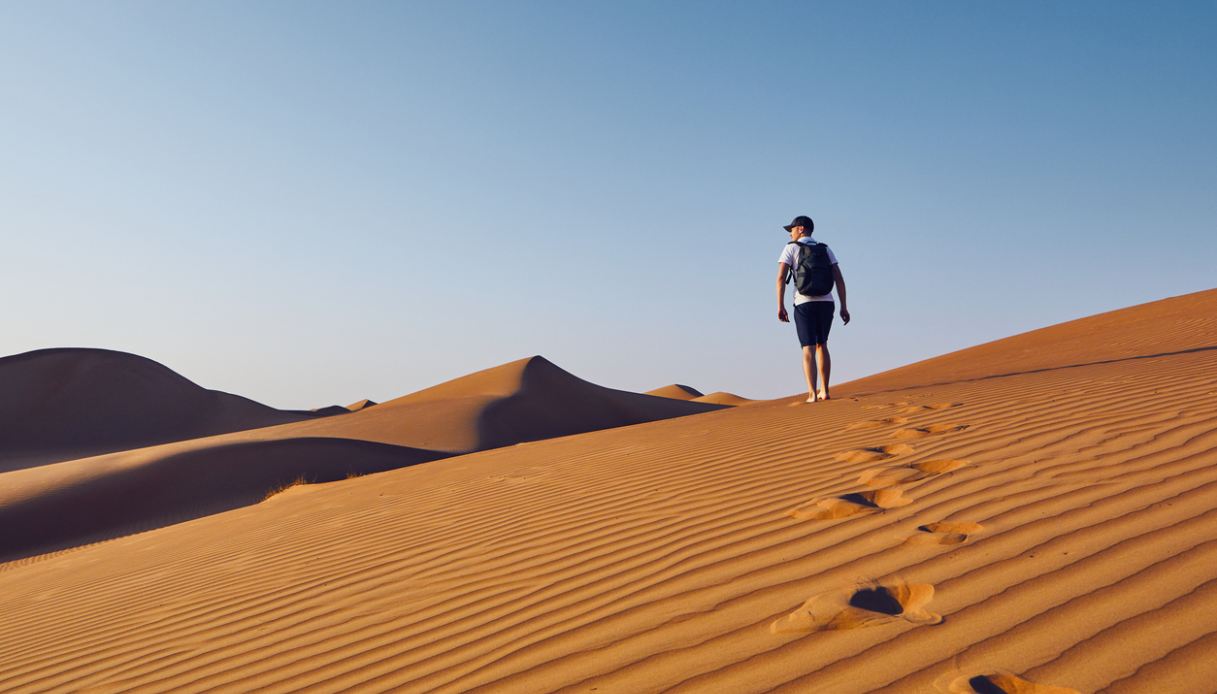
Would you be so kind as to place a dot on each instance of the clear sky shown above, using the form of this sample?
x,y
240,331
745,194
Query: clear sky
x,y
312,203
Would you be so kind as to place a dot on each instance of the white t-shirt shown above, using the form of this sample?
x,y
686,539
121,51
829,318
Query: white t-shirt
x,y
790,257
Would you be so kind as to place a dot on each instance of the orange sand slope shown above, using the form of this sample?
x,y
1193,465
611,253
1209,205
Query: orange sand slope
x,y
60,505
1160,328
58,404
1039,523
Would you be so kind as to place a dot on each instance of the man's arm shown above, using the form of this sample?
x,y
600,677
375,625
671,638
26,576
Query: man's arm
x,y
839,279
782,269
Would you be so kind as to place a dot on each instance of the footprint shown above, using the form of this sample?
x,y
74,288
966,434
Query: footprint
x,y
886,477
942,405
861,606
1004,683
929,430
876,423
867,455
852,504
944,533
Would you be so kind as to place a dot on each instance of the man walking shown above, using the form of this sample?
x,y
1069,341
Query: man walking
x,y
814,269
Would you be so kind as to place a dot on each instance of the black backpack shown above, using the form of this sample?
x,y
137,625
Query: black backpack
x,y
812,271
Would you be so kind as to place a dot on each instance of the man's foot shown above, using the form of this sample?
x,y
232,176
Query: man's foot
x,y
811,398
823,395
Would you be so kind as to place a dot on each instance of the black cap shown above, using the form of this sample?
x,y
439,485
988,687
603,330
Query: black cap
x,y
801,221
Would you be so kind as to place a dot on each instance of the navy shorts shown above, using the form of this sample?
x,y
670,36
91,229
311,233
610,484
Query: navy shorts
x,y
812,321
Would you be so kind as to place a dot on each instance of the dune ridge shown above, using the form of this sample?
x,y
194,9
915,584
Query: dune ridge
x,y
1147,331
1078,499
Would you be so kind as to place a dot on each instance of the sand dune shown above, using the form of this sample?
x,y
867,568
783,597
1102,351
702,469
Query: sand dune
x,y
1049,529
362,404
679,392
58,404
723,398
676,391
523,400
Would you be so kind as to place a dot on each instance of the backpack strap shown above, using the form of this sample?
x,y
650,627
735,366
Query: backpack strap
x,y
798,258
790,268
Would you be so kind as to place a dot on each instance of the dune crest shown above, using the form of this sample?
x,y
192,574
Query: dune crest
x,y
1125,336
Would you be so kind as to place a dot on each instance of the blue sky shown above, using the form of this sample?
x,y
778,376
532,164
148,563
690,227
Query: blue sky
x,y
309,203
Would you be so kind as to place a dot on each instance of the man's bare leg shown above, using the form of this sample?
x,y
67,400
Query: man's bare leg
x,y
824,367
809,372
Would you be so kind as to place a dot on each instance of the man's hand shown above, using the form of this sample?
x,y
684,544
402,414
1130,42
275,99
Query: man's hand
x,y
844,315
782,314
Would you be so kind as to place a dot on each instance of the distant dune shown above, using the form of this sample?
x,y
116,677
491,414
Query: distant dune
x,y
723,398
676,391
362,404
520,401
57,404
1032,516
330,410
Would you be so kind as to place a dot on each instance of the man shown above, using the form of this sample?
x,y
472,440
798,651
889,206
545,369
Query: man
x,y
812,313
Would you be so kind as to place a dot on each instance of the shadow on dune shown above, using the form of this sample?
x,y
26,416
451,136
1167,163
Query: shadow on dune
x,y
184,486
549,402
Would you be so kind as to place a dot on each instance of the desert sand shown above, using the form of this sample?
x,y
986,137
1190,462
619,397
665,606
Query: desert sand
x,y
1031,515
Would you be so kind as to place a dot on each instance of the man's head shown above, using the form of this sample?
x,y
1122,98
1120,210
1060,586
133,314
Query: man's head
x,y
801,226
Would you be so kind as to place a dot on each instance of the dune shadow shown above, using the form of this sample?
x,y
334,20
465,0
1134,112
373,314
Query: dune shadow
x,y
876,599
109,503
860,499
983,685
551,402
